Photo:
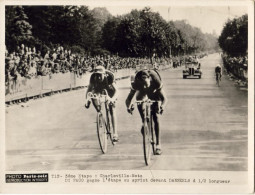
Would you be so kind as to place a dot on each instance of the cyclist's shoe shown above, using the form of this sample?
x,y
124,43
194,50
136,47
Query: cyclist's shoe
x,y
131,109
158,150
115,138
161,110
87,104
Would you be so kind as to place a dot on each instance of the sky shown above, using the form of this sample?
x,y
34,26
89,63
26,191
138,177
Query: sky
x,y
208,18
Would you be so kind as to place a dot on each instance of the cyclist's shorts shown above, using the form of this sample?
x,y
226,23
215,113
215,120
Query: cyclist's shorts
x,y
110,90
151,95
218,75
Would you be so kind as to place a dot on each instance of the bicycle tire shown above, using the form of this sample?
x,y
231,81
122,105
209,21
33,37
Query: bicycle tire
x,y
101,132
147,142
153,136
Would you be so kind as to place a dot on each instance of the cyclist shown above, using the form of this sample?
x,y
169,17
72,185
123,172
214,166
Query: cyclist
x,y
218,69
147,83
101,80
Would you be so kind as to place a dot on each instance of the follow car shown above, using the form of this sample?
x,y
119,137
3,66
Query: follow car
x,y
192,70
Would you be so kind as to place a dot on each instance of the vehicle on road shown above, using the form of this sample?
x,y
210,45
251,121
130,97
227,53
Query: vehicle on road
x,y
149,138
192,69
104,124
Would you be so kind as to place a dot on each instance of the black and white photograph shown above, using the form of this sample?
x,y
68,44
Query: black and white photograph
x,y
127,97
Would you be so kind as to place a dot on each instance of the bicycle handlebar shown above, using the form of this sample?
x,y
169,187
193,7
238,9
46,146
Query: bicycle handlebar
x,y
145,101
97,96
148,101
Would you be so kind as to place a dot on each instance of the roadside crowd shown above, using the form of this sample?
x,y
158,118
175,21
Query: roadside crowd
x,y
237,66
28,62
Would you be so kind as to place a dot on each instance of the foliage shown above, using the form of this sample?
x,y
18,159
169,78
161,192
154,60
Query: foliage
x,y
140,33
234,37
17,27
109,31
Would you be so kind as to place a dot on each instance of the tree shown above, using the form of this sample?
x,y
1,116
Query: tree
x,y
234,36
17,27
109,33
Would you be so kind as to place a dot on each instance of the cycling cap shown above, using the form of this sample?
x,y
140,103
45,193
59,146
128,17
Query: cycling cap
x,y
100,69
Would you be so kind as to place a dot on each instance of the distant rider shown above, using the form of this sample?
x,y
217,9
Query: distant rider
x,y
218,69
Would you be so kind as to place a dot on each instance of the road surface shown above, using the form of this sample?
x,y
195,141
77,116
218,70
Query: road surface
x,y
204,127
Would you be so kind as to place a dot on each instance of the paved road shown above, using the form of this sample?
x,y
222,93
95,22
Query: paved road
x,y
204,128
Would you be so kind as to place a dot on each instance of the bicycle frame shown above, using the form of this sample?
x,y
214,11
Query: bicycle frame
x,y
148,130
102,98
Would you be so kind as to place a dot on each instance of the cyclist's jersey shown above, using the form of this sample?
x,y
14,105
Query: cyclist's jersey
x,y
106,83
218,69
155,85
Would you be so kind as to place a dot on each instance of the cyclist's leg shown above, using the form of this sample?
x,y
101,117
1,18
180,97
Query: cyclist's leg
x,y
141,107
155,116
154,110
113,117
95,102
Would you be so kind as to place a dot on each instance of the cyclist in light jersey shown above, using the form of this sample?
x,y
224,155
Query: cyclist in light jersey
x,y
101,80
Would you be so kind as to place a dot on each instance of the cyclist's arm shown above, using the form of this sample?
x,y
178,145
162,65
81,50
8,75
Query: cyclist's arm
x,y
115,95
130,97
88,90
163,97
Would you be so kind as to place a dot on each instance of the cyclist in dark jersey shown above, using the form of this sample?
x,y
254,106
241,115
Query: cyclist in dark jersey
x,y
148,84
101,80
218,69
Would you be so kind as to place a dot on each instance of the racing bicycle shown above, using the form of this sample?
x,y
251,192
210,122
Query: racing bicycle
x,y
104,124
149,141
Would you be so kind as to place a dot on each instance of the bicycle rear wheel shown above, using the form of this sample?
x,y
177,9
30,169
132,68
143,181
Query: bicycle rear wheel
x,y
101,132
147,142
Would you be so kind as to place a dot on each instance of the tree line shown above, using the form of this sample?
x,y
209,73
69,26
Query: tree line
x,y
234,37
234,44
140,33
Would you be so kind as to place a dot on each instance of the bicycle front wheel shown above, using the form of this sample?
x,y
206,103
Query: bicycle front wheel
x,y
147,142
101,132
